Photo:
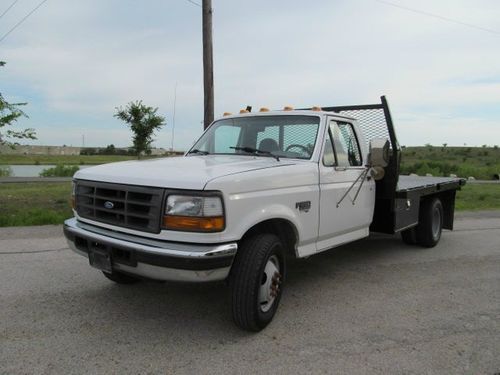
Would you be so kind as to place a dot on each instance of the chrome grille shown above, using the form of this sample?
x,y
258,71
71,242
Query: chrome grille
x,y
134,207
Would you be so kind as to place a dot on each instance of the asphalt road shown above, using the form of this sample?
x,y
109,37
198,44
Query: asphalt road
x,y
372,307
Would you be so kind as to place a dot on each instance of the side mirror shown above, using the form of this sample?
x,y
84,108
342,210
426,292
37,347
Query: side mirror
x,y
378,157
379,152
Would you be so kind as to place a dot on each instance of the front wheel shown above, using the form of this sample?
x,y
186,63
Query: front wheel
x,y
257,281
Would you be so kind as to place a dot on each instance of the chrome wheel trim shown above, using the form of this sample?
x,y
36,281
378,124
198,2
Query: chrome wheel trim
x,y
270,283
436,222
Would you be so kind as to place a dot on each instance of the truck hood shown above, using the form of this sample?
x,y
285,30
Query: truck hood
x,y
185,172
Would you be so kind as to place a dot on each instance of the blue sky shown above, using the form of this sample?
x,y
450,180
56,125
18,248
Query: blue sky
x,y
75,61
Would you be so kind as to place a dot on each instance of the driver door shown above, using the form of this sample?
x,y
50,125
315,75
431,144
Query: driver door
x,y
343,219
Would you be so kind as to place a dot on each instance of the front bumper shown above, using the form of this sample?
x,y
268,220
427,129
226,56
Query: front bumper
x,y
151,258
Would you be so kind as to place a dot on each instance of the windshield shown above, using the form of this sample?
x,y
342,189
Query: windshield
x,y
282,136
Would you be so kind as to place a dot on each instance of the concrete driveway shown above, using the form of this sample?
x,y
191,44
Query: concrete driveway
x,y
373,307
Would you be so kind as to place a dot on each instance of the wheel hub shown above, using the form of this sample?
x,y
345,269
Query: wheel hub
x,y
436,223
270,284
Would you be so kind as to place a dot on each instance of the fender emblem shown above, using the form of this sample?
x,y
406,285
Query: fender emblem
x,y
109,205
303,206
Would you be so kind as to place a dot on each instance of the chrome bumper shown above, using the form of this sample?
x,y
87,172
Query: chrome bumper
x,y
151,258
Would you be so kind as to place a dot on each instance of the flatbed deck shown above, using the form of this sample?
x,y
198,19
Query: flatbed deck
x,y
426,185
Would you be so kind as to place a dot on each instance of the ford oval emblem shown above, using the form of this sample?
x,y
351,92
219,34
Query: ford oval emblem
x,y
109,205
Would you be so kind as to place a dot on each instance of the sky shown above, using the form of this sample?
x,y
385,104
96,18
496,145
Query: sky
x,y
74,62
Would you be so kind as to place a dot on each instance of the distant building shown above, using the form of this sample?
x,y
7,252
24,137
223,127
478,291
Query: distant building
x,y
66,150
40,150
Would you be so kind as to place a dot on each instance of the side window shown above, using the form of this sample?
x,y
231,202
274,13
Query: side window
x,y
346,145
328,155
226,137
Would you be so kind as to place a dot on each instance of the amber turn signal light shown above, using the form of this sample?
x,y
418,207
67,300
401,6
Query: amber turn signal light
x,y
194,224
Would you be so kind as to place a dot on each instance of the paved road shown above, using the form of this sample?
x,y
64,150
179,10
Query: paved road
x,y
372,307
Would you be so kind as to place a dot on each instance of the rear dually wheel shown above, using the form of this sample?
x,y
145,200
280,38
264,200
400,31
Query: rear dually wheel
x,y
430,226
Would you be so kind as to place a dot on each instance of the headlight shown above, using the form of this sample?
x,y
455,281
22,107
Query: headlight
x,y
194,213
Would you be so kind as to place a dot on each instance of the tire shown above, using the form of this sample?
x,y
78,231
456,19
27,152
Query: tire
x,y
256,281
428,231
121,278
409,236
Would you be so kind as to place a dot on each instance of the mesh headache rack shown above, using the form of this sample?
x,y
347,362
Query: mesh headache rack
x,y
375,121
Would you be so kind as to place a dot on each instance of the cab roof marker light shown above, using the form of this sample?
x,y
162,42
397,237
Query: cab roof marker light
x,y
288,108
243,111
227,114
264,109
316,108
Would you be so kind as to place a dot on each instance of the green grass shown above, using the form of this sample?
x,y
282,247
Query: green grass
x,y
60,171
34,203
5,171
479,162
48,203
475,197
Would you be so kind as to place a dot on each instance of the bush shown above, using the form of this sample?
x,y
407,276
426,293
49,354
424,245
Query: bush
x,y
60,171
5,171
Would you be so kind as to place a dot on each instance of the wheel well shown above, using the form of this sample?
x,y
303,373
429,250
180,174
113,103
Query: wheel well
x,y
282,228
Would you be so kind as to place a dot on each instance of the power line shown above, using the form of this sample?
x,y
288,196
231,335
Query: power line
x,y
22,20
194,3
442,18
6,10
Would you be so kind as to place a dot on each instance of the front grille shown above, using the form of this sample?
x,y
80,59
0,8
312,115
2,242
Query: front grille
x,y
134,207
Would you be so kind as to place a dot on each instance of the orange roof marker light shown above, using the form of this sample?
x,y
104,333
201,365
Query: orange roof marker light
x,y
316,108
288,108
227,114
243,111
264,109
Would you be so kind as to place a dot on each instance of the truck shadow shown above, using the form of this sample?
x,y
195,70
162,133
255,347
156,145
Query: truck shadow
x,y
202,311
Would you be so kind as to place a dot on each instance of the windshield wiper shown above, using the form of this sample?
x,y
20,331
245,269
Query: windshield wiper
x,y
196,151
252,150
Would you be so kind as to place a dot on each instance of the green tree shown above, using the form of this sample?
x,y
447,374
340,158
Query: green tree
x,y
9,114
143,121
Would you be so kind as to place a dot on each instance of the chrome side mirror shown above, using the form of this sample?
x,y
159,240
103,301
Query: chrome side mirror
x,y
378,157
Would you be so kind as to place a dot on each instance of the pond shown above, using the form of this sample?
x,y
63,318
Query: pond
x,y
32,170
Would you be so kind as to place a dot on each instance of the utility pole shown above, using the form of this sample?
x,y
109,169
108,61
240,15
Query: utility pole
x,y
208,62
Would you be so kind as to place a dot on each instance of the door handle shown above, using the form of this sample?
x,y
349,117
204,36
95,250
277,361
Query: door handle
x,y
341,168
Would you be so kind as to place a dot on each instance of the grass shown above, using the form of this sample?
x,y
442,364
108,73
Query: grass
x,y
34,203
60,171
5,171
48,203
475,197
479,162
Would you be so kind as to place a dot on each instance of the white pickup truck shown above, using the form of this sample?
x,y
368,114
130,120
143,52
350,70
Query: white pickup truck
x,y
255,189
